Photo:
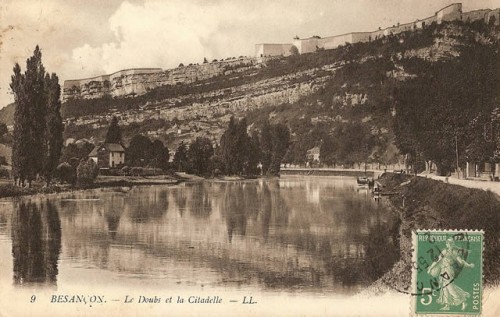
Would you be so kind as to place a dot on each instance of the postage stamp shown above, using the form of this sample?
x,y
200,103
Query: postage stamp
x,y
447,275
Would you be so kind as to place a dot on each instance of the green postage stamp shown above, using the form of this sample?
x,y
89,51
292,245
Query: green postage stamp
x,y
447,275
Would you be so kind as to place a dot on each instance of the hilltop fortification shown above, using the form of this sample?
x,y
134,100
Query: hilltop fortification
x,y
135,82
453,12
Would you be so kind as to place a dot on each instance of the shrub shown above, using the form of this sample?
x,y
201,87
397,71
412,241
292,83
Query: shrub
x,y
86,172
136,171
4,173
125,170
66,173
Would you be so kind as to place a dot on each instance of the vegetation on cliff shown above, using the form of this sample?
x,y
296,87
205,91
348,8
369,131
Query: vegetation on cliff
x,y
446,109
429,204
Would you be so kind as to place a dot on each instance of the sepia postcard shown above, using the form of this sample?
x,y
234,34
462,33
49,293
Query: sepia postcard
x,y
249,158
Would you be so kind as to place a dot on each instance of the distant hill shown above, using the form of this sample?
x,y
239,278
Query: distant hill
x,y
7,114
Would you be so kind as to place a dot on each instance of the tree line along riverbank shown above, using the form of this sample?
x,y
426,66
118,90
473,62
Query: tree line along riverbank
x,y
423,203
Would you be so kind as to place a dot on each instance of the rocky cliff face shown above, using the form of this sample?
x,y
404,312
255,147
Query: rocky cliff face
x,y
137,82
211,93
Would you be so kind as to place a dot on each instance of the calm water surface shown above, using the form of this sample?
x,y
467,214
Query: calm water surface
x,y
296,233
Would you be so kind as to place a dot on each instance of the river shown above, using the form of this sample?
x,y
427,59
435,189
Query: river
x,y
294,235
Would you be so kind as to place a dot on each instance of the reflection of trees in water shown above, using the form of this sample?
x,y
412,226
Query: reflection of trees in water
x,y
235,209
243,201
382,248
36,242
266,210
147,204
342,233
180,199
200,202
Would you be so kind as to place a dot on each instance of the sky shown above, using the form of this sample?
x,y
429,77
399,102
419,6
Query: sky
x,y
85,38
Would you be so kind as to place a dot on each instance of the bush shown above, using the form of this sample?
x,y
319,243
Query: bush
x,y
4,173
66,173
136,171
125,170
150,171
86,172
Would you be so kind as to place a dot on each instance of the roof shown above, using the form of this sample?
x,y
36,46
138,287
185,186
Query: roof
x,y
111,147
314,150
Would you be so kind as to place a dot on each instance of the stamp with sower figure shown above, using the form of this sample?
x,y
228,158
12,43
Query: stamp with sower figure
x,y
447,272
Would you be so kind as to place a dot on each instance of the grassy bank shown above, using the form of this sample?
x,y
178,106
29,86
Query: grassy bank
x,y
10,190
430,204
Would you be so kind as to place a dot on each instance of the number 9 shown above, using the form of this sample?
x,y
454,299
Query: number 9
x,y
33,298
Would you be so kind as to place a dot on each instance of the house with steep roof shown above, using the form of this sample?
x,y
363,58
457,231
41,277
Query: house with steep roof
x,y
313,154
108,155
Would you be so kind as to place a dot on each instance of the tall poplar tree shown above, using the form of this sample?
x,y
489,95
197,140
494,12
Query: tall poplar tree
x,y
54,126
114,134
37,121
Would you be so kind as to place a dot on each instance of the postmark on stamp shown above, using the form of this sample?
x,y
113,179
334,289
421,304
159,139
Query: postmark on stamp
x,y
447,276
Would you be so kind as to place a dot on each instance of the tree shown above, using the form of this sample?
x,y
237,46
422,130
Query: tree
x,y
66,173
266,147
274,143
159,155
139,151
228,147
254,155
54,127
30,94
86,172
114,134
280,144
199,154
180,157
328,151
3,131
235,147
79,151
294,50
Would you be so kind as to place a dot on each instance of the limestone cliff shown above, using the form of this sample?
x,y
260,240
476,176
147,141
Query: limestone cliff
x,y
138,81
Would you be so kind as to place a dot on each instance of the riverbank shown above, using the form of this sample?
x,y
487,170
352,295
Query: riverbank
x,y
424,203
307,171
10,190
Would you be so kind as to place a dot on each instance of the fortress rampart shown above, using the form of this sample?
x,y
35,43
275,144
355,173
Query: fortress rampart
x,y
453,12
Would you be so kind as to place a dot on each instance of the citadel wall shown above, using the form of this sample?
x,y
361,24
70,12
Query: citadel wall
x,y
452,12
493,17
264,49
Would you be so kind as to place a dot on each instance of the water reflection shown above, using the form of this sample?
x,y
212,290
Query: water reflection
x,y
303,233
36,242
